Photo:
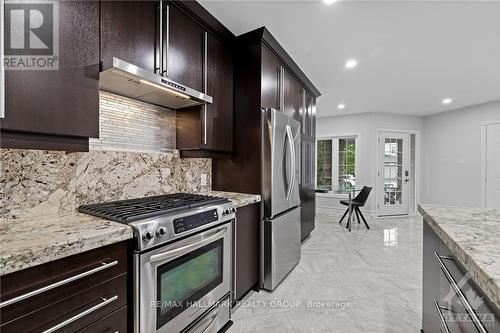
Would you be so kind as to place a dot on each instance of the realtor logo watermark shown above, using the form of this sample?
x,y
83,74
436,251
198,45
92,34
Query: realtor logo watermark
x,y
461,318
31,35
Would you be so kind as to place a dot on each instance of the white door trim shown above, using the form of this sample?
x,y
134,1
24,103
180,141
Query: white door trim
x,y
484,126
418,145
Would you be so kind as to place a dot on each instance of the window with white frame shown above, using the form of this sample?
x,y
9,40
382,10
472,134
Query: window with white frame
x,y
336,163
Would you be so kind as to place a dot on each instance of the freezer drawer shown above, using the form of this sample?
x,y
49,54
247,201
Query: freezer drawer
x,y
281,247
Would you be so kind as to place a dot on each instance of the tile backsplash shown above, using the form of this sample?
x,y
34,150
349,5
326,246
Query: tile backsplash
x,y
35,182
135,156
126,124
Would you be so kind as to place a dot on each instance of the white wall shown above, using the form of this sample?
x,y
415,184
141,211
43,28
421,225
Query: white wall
x,y
365,126
452,155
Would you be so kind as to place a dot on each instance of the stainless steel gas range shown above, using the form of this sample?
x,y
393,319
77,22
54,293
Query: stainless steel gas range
x,y
182,260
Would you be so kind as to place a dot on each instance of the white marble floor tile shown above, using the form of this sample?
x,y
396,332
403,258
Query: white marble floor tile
x,y
360,281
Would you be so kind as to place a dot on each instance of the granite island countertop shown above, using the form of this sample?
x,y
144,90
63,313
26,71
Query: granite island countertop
x,y
473,237
28,242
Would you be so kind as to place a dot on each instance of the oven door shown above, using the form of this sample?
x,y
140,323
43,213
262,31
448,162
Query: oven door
x,y
177,283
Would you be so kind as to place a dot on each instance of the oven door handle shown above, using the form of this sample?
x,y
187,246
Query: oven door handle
x,y
187,248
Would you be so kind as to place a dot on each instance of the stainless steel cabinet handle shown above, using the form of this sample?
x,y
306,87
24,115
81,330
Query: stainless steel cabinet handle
x,y
460,294
205,86
164,50
187,248
105,301
160,61
58,284
441,318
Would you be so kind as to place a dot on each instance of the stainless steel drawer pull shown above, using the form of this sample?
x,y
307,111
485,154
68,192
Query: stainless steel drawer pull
x,y
58,284
441,317
105,301
460,294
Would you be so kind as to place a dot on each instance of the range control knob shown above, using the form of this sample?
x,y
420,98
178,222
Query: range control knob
x,y
226,212
233,210
161,231
148,235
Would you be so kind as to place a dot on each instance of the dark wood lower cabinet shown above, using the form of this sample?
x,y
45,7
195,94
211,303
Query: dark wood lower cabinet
x,y
246,249
437,289
307,211
113,323
79,290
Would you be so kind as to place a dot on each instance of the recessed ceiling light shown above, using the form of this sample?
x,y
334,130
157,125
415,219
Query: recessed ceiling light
x,y
447,101
351,63
329,2
341,106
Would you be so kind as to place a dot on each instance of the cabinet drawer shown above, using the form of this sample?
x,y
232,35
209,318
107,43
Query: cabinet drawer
x,y
456,314
31,289
74,312
113,323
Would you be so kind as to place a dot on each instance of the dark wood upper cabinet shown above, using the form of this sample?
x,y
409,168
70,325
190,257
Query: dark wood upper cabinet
x,y
203,60
130,32
183,45
218,135
271,80
49,109
293,97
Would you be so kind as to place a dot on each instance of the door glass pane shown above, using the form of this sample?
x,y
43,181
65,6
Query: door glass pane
x,y
187,279
393,171
324,165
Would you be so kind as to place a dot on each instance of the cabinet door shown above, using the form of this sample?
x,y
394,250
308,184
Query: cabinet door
x,y
309,116
183,42
217,118
64,101
246,250
293,97
129,31
307,192
271,81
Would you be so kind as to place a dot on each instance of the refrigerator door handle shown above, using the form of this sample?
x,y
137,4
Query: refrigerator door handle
x,y
292,158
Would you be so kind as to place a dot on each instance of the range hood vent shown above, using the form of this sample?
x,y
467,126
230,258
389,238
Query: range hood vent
x,y
131,81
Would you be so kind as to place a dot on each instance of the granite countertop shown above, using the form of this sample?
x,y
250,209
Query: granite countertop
x,y
472,235
37,240
238,199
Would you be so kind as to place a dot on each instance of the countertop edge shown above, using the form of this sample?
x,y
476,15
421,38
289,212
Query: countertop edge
x,y
489,286
60,250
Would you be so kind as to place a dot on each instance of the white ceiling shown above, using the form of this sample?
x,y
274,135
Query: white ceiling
x,y
411,54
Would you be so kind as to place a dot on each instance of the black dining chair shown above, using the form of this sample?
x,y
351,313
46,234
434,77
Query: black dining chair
x,y
357,202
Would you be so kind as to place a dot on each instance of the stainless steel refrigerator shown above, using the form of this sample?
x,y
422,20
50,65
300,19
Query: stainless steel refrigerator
x,y
280,196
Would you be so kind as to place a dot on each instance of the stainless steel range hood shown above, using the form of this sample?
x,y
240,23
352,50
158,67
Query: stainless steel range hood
x,y
131,81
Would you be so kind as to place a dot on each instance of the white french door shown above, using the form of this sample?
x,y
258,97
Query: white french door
x,y
493,166
393,173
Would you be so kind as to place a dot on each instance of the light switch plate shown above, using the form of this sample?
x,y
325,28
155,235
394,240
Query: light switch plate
x,y
204,179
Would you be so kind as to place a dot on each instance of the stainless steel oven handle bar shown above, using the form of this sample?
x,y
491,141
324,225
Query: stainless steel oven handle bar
x,y
205,324
460,295
187,248
105,301
58,284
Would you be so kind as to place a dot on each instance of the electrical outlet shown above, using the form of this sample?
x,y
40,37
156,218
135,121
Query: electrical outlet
x,y
204,179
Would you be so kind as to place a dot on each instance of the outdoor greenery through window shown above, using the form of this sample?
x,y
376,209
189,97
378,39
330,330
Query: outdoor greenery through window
x,y
336,160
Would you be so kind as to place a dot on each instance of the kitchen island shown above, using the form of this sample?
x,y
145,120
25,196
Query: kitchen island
x,y
461,259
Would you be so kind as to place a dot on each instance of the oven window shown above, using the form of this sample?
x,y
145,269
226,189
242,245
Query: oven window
x,y
187,279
